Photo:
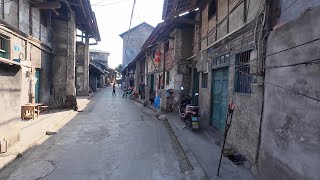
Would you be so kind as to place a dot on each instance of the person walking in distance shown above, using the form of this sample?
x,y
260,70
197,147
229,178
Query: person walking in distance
x,y
114,89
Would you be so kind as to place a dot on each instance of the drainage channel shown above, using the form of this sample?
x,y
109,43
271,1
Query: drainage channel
x,y
184,163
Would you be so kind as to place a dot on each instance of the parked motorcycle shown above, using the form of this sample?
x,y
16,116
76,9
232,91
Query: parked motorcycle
x,y
188,112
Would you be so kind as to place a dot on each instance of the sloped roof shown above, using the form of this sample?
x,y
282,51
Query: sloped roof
x,y
98,51
85,18
99,67
136,27
173,8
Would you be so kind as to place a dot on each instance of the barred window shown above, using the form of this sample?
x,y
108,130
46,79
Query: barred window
x,y
243,77
4,47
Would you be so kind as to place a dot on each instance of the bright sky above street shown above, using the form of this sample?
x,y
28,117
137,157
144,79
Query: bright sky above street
x,y
113,18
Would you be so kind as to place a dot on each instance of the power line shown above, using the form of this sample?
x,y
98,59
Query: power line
x,y
125,52
307,62
282,87
98,4
116,2
314,61
289,7
284,50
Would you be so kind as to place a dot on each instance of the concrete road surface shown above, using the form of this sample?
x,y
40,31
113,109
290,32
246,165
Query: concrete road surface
x,y
113,138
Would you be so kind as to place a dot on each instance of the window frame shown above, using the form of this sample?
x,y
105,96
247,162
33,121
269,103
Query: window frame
x,y
243,80
217,63
4,47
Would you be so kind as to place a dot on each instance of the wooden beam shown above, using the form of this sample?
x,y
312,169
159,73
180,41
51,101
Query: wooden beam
x,y
47,5
10,62
187,21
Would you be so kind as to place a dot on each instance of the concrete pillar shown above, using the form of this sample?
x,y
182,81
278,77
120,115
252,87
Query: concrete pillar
x,y
163,100
137,78
86,67
64,44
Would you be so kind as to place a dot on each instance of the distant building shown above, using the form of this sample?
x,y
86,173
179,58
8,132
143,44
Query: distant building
x,y
99,56
132,45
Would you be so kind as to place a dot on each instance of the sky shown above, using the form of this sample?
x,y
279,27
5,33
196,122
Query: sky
x,y
113,17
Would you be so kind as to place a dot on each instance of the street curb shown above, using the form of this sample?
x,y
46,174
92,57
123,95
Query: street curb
x,y
12,158
197,173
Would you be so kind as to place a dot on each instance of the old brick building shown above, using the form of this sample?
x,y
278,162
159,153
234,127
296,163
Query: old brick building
x,y
38,55
133,41
241,52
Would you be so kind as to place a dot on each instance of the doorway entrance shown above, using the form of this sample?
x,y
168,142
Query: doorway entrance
x,y
219,98
37,85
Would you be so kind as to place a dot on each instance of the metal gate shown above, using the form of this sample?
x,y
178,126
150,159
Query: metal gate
x,y
219,98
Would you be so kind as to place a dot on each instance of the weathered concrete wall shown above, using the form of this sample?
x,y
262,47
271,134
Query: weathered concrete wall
x,y
17,13
243,135
11,12
210,28
17,87
82,67
10,91
137,37
205,102
64,43
222,12
244,132
204,28
46,81
290,143
35,22
24,24
99,56
295,10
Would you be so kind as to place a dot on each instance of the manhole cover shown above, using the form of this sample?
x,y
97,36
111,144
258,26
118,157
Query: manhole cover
x,y
33,170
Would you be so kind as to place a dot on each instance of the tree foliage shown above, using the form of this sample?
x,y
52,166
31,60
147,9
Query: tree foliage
x,y
119,68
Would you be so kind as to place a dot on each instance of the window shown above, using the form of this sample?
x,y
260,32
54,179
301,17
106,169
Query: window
x,y
204,80
212,9
44,18
243,78
168,78
4,47
166,46
221,61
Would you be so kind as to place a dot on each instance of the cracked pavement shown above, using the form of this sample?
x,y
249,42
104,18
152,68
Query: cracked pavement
x,y
113,138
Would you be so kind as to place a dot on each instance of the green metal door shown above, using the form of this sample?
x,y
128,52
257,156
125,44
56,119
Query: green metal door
x,y
37,86
219,98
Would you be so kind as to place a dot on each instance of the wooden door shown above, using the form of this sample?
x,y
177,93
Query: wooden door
x,y
219,98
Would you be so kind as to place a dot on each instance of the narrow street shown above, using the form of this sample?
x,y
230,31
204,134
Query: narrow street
x,y
113,138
